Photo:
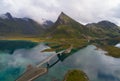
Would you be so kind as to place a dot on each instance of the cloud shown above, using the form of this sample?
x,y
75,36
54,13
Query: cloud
x,y
13,65
97,65
84,11
118,45
23,57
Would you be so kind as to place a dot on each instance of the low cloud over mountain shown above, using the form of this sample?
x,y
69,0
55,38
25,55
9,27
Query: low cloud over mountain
x,y
84,11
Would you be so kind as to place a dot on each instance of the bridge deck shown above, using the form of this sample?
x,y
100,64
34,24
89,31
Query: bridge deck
x,y
32,74
36,71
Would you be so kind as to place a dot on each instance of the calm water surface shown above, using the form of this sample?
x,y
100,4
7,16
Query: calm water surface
x,y
94,63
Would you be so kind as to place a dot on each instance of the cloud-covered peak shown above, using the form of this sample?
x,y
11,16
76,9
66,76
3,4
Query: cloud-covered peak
x,y
6,16
85,11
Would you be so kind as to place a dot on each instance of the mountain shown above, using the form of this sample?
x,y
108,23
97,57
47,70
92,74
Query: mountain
x,y
64,27
6,16
47,24
11,26
104,29
67,27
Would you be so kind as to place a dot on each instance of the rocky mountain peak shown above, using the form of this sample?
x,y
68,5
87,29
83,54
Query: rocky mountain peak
x,y
64,19
6,16
106,23
62,15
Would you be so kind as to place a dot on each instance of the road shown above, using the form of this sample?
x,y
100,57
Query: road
x,y
48,59
33,72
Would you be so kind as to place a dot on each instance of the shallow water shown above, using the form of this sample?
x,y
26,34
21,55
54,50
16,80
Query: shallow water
x,y
13,65
94,63
11,45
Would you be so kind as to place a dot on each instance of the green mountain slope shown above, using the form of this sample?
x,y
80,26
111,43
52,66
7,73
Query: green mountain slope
x,y
104,29
67,27
64,27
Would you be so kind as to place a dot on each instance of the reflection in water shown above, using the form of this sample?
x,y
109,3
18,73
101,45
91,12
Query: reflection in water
x,y
117,45
61,57
12,65
94,63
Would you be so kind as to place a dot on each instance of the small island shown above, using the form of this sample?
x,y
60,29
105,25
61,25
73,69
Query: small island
x,y
112,51
75,75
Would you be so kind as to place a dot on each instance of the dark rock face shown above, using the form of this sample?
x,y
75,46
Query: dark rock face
x,y
64,19
10,26
47,24
9,16
104,28
107,24
65,26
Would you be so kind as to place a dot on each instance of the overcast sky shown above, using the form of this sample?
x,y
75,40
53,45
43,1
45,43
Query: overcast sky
x,y
84,11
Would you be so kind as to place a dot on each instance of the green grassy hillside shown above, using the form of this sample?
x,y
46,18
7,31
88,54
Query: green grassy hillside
x,y
75,75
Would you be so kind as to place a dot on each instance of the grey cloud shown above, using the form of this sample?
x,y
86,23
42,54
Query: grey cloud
x,y
116,12
23,57
84,11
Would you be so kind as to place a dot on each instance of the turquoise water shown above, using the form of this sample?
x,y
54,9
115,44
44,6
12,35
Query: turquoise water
x,y
12,65
11,46
94,63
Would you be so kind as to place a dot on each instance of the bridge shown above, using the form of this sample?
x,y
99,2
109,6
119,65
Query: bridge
x,y
34,72
48,59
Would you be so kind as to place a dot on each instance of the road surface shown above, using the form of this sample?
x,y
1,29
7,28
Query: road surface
x,y
34,72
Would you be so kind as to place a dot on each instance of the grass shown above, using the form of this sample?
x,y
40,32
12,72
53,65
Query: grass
x,y
64,43
55,44
75,75
109,46
58,44
33,39
112,51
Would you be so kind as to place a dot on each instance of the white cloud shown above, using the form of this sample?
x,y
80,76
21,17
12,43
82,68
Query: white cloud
x,y
84,11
